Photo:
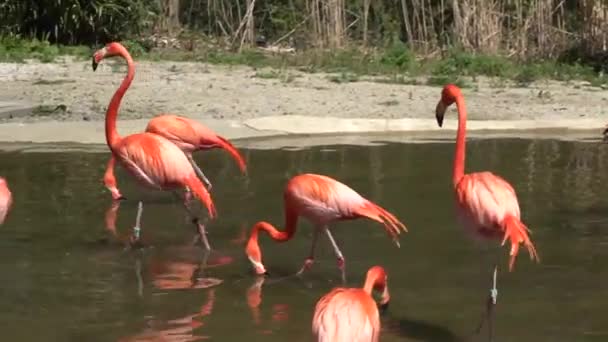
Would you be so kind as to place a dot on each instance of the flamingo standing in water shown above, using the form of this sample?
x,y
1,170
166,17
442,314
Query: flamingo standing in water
x,y
190,136
350,314
487,205
321,200
153,160
6,199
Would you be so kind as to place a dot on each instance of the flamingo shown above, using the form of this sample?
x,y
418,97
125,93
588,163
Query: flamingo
x,y
486,204
190,136
321,200
350,314
6,199
153,160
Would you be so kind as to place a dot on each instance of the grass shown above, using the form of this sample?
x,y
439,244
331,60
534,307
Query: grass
x,y
394,64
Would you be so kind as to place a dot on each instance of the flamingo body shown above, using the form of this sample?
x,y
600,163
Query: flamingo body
x,y
6,199
188,135
351,314
483,200
346,315
155,162
321,200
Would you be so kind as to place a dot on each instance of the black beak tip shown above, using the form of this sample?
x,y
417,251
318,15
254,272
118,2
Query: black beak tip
x,y
384,307
94,65
440,121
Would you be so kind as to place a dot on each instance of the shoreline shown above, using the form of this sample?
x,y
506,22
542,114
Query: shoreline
x,y
65,102
300,132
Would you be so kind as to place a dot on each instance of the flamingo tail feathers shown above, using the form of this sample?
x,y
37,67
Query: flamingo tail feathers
x,y
392,225
236,155
517,233
201,193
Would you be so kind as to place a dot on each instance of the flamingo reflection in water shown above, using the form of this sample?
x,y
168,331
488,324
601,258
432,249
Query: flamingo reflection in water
x,y
280,312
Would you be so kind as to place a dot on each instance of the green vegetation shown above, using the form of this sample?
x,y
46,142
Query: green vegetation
x,y
397,64
402,42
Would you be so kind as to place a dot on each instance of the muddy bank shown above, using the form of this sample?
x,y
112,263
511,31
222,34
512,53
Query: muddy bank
x,y
71,91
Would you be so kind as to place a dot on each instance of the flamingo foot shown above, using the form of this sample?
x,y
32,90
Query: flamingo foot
x,y
307,265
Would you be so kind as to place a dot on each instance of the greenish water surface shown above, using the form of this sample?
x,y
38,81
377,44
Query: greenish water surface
x,y
67,277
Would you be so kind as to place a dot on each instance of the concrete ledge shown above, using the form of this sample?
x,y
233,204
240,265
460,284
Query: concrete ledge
x,y
302,131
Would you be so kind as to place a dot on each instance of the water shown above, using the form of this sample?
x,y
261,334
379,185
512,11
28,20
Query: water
x,y
66,277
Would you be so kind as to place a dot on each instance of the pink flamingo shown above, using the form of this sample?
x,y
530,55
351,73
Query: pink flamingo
x,y
190,136
487,205
153,160
6,199
350,314
321,200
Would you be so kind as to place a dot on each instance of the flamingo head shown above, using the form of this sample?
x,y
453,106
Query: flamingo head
x,y
110,50
449,94
254,254
378,276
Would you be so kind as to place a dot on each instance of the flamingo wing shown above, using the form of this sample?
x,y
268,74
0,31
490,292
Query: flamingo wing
x,y
483,200
155,161
346,315
178,130
322,199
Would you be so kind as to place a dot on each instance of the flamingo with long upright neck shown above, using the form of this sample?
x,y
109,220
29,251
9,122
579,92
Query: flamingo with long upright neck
x,y
321,200
153,160
487,205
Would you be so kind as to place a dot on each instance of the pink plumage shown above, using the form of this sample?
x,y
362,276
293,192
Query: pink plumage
x,y
6,200
188,135
486,203
321,200
351,314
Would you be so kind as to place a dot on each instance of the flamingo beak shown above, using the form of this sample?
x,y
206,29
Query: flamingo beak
x,y
94,64
440,112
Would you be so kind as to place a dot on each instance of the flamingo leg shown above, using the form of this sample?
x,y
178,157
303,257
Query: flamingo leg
x,y
199,172
135,238
339,255
311,256
491,301
200,227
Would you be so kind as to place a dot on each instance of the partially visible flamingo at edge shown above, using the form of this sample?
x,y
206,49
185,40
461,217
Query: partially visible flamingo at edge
x,y
6,200
351,314
153,160
486,204
321,200
190,136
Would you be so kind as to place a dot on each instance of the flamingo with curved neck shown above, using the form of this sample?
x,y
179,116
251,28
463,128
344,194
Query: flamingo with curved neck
x,y
350,314
321,200
153,160
486,203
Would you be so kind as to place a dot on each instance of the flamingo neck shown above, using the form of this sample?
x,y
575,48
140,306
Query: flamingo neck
x,y
371,281
275,234
460,142
112,137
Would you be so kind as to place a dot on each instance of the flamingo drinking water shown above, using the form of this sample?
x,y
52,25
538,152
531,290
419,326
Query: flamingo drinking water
x,y
153,160
321,200
486,203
